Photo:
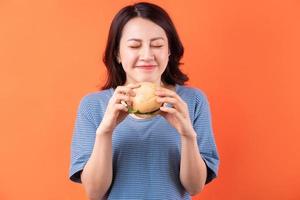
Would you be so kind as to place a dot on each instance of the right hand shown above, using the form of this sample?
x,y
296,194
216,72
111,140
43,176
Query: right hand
x,y
116,111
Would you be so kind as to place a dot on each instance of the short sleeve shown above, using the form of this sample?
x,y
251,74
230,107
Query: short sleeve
x,y
205,137
83,139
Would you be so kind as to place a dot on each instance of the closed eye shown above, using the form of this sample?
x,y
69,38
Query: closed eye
x,y
157,46
154,46
134,47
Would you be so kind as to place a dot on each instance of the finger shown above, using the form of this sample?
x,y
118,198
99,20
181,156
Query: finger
x,y
173,102
128,89
124,103
131,88
119,98
121,107
161,92
169,110
123,97
166,92
169,100
121,90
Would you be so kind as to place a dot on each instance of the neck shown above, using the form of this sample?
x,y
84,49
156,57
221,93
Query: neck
x,y
135,82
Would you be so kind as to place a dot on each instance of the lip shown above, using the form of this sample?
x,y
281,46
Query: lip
x,y
146,67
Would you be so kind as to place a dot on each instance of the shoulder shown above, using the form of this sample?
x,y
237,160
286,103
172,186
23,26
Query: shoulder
x,y
191,94
96,97
94,101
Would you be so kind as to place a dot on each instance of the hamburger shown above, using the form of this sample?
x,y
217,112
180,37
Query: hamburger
x,y
144,103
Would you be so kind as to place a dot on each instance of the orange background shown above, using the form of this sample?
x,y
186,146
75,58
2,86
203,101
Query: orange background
x,y
243,54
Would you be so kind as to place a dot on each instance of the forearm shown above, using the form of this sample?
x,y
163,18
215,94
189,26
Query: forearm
x,y
97,174
192,167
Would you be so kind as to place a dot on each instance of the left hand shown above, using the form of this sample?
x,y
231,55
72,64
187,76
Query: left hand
x,y
177,115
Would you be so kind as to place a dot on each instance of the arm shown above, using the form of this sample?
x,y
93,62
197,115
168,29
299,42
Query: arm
x,y
97,174
192,167
193,172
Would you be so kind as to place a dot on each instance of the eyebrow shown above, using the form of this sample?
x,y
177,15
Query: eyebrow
x,y
139,40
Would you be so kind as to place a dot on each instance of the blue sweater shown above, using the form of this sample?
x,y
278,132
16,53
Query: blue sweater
x,y
146,152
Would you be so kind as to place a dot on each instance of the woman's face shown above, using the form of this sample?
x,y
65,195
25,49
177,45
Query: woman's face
x,y
144,51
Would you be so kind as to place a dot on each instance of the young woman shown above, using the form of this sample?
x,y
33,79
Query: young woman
x,y
117,155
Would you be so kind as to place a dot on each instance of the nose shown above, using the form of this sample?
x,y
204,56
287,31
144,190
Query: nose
x,y
146,54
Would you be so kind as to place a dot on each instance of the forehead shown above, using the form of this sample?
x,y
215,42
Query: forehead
x,y
142,29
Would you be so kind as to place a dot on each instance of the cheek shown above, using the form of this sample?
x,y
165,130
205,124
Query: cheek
x,y
128,57
163,57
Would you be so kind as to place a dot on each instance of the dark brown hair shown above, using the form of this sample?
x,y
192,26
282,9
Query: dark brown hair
x,y
115,74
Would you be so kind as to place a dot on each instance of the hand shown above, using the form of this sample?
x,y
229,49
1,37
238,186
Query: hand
x,y
178,114
116,111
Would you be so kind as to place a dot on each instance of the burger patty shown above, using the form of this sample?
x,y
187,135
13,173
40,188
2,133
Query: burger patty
x,y
131,111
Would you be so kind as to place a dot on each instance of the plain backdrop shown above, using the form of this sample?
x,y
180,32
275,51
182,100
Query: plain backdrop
x,y
243,54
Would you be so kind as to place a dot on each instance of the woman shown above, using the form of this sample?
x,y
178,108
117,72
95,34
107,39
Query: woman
x,y
116,155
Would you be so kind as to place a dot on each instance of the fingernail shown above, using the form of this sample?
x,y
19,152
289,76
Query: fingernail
x,y
123,103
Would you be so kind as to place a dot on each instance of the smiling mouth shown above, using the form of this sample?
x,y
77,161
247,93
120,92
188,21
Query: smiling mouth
x,y
147,67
